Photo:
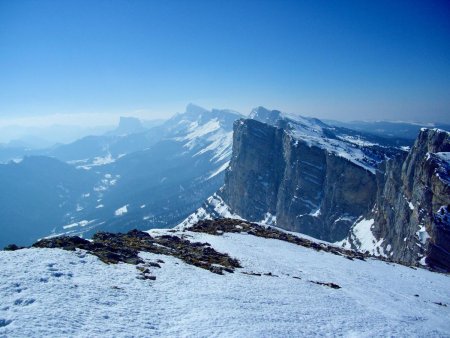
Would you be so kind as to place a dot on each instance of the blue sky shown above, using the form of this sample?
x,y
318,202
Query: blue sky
x,y
330,59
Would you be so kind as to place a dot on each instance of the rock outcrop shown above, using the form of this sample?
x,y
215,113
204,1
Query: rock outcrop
x,y
226,225
411,213
114,248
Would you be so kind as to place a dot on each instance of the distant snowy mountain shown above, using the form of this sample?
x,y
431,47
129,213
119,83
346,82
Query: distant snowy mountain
x,y
161,185
280,290
389,129
138,179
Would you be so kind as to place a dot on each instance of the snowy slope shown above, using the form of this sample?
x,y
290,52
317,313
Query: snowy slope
x,y
50,292
314,132
214,207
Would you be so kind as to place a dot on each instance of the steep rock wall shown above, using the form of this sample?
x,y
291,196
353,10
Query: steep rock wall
x,y
412,201
307,188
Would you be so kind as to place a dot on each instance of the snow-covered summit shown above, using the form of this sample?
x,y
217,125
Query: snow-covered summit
x,y
193,109
205,131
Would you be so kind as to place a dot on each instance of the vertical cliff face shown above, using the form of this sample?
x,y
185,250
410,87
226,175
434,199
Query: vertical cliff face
x,y
306,177
306,187
254,175
412,202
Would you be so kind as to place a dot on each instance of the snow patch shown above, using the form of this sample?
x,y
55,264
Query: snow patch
x,y
78,224
315,213
121,211
214,207
422,234
219,170
361,235
269,219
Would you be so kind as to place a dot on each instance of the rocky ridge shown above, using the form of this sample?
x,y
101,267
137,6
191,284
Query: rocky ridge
x,y
113,248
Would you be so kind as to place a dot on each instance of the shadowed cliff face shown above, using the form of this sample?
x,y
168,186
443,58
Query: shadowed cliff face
x,y
256,169
412,202
308,189
304,177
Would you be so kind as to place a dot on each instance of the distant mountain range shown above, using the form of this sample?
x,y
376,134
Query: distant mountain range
x,y
299,173
386,129
132,177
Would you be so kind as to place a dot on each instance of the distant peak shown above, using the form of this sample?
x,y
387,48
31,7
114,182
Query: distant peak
x,y
194,109
128,125
265,115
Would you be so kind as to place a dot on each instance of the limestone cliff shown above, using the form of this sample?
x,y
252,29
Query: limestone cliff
x,y
308,188
305,176
412,202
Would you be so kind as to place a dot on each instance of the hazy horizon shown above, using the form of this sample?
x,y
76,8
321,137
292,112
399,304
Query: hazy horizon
x,y
47,130
112,119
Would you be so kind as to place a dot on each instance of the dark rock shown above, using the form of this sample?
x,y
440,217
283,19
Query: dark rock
x,y
149,277
12,247
270,274
441,304
251,273
154,265
313,191
114,248
330,285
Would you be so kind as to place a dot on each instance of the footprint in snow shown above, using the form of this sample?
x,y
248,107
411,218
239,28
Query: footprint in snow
x,y
17,287
24,302
5,322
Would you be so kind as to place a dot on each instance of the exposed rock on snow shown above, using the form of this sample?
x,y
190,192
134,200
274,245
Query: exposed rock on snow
x,y
287,290
115,248
221,226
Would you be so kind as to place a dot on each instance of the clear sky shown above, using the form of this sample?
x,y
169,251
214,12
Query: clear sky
x,y
330,59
